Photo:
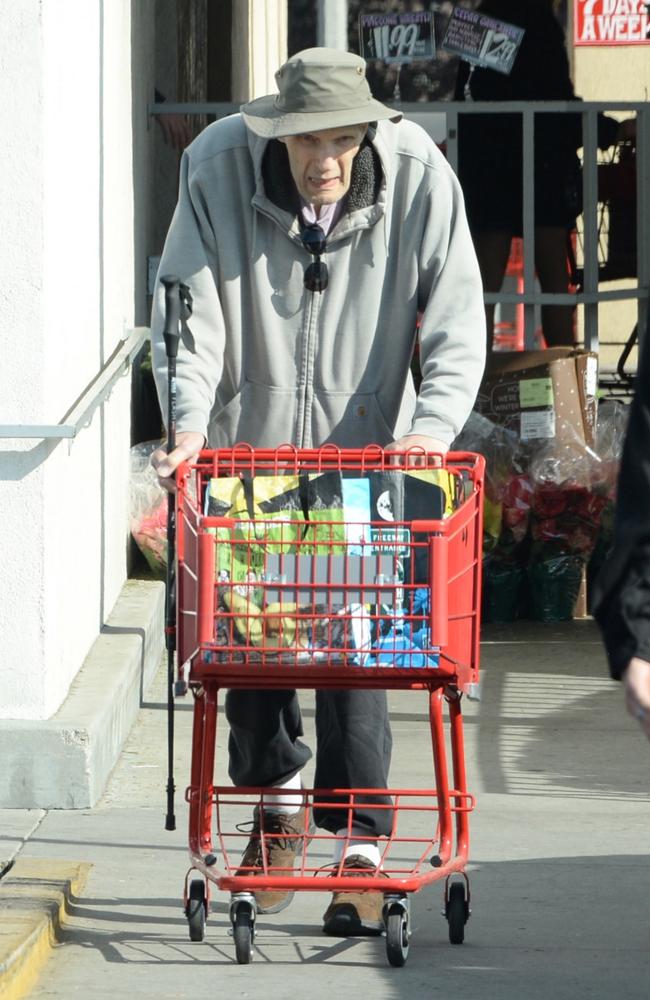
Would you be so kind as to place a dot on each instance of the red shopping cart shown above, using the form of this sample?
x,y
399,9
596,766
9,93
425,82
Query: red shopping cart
x,y
292,602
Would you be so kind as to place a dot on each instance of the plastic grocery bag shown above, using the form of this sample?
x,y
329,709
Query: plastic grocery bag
x,y
148,508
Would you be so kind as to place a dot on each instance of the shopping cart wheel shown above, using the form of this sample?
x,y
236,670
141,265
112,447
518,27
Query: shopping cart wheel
x,y
196,908
242,915
396,917
457,912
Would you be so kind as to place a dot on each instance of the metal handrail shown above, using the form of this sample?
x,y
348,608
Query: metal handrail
x,y
590,294
96,392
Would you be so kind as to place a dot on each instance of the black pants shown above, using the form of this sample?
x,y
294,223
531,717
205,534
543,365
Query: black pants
x,y
353,751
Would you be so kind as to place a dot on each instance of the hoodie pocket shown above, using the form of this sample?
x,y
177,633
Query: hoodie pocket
x,y
260,415
350,421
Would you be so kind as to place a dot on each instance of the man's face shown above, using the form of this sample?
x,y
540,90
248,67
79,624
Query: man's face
x,y
321,162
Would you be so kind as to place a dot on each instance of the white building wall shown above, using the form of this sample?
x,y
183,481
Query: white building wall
x,y
613,73
21,337
67,264
118,288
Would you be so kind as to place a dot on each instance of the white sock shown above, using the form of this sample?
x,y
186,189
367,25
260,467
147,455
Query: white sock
x,y
285,802
365,847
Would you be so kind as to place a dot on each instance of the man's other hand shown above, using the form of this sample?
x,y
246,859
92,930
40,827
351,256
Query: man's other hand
x,y
414,443
188,446
636,682
175,129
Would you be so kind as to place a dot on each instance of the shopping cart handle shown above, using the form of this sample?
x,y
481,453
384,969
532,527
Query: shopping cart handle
x,y
216,521
439,584
425,527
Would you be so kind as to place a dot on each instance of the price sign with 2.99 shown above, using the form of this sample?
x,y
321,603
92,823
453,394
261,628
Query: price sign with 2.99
x,y
397,38
482,40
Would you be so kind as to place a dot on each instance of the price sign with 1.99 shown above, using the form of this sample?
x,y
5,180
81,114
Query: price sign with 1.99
x,y
396,38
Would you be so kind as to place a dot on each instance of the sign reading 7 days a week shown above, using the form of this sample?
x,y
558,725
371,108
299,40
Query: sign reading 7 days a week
x,y
612,22
482,40
397,38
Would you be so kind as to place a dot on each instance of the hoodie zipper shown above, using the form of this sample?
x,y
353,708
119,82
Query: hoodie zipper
x,y
307,370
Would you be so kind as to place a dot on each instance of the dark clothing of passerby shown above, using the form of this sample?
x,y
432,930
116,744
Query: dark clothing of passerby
x,y
490,154
490,160
621,596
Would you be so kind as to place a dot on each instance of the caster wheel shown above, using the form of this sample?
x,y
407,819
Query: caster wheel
x,y
243,933
196,909
397,936
457,912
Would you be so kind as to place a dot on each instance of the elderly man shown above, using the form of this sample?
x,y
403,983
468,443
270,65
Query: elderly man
x,y
312,229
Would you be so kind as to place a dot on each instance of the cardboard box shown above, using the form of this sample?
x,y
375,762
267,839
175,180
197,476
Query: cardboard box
x,y
542,394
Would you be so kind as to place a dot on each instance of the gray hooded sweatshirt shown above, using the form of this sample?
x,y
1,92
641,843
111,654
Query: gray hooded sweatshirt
x,y
269,362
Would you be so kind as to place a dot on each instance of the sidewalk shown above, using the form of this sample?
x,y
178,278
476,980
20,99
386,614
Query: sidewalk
x,y
560,873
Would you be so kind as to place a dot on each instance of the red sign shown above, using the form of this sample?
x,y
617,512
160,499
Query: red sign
x,y
612,22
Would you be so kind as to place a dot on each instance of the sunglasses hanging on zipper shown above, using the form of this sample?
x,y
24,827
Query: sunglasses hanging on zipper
x,y
316,275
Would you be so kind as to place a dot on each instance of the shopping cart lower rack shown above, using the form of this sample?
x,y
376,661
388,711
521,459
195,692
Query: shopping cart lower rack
x,y
292,574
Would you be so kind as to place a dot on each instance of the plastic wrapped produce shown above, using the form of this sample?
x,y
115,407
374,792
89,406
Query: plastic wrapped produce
x,y
148,508
613,416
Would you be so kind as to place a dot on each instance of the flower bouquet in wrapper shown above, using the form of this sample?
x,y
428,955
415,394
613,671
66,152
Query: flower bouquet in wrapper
x,y
569,497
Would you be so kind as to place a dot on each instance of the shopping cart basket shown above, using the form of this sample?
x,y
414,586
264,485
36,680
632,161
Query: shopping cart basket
x,y
333,603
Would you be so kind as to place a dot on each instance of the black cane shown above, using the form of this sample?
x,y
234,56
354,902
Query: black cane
x,y
171,333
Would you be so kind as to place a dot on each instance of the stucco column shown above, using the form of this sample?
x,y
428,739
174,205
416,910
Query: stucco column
x,y
333,24
259,46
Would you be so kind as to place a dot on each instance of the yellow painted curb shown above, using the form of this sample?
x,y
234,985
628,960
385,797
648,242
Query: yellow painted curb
x,y
34,896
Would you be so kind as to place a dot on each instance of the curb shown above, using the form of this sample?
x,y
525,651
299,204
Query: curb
x,y
64,762
35,896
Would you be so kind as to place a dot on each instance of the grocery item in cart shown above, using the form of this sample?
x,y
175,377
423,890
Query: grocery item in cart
x,y
323,513
275,513
405,496
356,506
289,633
265,514
332,577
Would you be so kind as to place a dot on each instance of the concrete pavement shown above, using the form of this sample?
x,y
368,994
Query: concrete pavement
x,y
560,873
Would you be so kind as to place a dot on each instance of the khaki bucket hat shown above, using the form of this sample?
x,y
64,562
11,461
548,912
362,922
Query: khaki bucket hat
x,y
317,89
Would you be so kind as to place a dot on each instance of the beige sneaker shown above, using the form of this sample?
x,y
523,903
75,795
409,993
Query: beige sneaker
x,y
284,836
355,914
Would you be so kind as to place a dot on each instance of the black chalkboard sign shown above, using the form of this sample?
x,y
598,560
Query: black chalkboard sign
x,y
482,40
397,38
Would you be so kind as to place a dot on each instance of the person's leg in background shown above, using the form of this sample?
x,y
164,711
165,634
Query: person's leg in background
x,y
492,251
552,266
